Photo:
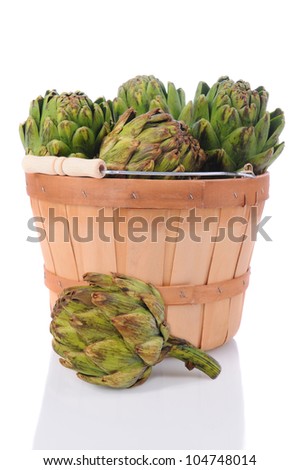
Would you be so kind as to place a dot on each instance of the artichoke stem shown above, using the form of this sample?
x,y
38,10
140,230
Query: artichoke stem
x,y
193,357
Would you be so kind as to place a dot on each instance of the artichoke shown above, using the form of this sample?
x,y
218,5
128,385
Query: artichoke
x,y
66,124
112,332
152,141
146,92
233,126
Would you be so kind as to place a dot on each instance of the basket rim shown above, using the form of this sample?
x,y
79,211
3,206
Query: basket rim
x,y
148,193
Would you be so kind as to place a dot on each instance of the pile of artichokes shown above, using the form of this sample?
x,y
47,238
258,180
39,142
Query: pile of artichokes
x,y
112,332
150,127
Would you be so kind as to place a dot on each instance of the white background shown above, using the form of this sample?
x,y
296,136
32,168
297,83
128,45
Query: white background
x,y
95,46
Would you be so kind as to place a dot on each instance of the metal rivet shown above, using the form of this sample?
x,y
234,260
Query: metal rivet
x,y
84,194
133,195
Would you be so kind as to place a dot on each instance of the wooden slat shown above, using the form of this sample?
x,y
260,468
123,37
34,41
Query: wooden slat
x,y
120,241
59,239
143,259
53,298
148,194
242,265
224,259
191,266
47,255
170,245
94,249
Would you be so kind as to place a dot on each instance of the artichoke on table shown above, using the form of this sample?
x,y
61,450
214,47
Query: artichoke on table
x,y
113,331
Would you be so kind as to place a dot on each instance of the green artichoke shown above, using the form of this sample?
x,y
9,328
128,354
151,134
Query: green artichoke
x,y
112,332
66,124
233,126
152,141
146,92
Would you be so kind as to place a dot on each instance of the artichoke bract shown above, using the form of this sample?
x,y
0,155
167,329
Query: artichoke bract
x,y
233,125
146,92
113,331
152,141
66,124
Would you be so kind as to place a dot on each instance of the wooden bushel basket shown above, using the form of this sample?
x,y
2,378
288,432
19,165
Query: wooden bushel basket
x,y
193,239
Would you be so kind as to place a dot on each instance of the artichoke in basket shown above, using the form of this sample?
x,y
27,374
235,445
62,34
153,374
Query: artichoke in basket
x,y
152,141
233,125
146,92
66,124
112,332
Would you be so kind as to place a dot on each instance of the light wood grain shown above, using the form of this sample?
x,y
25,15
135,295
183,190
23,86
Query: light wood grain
x,y
242,265
191,266
223,265
94,250
46,251
137,240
